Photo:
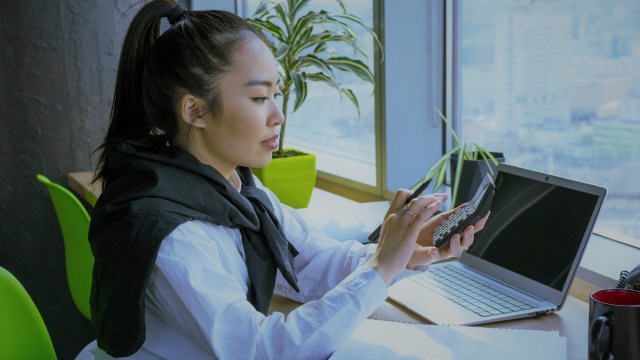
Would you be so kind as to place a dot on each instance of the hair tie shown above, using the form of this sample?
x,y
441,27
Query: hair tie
x,y
176,14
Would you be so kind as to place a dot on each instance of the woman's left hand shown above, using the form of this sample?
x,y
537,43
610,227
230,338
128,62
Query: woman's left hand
x,y
424,253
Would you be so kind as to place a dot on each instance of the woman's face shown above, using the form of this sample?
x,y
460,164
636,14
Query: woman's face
x,y
245,132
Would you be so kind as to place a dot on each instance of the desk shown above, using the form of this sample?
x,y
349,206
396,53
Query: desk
x,y
570,322
80,182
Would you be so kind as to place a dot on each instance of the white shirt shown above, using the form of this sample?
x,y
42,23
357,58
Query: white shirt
x,y
196,298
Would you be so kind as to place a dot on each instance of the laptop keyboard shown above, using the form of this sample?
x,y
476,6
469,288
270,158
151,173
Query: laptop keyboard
x,y
469,292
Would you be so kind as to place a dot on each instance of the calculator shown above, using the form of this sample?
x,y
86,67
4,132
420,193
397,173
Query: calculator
x,y
466,215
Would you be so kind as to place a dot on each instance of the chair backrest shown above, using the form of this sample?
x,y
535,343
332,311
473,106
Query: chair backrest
x,y
74,223
23,333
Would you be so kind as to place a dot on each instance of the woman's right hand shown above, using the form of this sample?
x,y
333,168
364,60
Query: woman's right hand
x,y
400,230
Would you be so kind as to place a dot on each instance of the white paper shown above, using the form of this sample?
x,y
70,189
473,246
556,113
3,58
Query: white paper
x,y
377,339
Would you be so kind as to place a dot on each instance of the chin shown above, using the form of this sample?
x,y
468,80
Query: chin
x,y
262,162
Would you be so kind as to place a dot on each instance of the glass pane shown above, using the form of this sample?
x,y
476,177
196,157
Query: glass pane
x,y
555,85
344,143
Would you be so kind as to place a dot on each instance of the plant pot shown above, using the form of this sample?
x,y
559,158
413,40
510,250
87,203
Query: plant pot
x,y
291,178
473,171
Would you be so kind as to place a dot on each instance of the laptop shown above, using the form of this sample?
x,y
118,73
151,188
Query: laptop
x,y
521,264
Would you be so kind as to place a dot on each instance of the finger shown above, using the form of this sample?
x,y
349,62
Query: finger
x,y
480,224
383,233
423,255
434,254
454,250
467,237
430,208
421,208
440,218
441,196
399,198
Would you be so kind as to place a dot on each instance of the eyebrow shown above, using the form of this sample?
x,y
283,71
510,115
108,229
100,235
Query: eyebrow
x,y
258,82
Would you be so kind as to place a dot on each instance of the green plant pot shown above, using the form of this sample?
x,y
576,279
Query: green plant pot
x,y
473,171
291,178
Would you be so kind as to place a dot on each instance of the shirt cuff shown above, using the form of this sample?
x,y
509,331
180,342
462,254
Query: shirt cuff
x,y
370,250
368,286
409,272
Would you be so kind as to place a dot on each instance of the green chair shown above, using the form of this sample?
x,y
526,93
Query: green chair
x,y
74,223
23,333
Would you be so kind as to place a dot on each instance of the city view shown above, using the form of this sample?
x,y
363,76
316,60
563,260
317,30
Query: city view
x,y
555,85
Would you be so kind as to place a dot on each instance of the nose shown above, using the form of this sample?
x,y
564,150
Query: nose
x,y
277,117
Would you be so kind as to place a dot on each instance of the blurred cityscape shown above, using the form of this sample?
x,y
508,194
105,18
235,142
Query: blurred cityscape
x,y
555,85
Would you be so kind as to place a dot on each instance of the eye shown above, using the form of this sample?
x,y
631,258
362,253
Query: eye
x,y
260,99
277,95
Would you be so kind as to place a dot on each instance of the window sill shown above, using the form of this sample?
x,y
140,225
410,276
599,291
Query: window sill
x,y
604,259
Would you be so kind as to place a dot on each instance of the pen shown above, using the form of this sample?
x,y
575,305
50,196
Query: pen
x,y
373,237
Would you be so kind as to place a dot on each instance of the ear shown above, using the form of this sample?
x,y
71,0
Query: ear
x,y
190,110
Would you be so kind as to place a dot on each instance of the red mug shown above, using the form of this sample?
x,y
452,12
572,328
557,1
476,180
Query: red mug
x,y
614,324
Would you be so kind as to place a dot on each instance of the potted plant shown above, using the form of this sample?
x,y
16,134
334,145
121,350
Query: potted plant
x,y
300,43
467,162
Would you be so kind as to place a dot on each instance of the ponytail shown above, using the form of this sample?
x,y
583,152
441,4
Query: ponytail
x,y
155,70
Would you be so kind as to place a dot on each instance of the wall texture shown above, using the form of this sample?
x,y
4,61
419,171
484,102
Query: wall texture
x,y
57,74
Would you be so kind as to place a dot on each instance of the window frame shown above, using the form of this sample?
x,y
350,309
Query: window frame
x,y
414,137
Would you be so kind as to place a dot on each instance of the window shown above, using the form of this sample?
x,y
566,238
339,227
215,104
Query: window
x,y
555,85
344,144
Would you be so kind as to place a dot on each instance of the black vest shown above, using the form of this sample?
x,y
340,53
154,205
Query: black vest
x,y
154,189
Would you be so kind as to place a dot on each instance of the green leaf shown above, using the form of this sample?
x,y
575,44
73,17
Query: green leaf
x,y
488,158
268,28
295,6
281,51
321,47
300,88
322,77
364,26
318,77
304,40
446,122
351,96
262,9
357,67
324,38
456,182
283,16
301,26
312,60
442,176
444,160
345,26
436,166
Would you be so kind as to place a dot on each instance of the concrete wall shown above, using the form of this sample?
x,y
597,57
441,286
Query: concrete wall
x,y
57,74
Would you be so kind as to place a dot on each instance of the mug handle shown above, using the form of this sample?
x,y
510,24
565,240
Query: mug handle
x,y
599,337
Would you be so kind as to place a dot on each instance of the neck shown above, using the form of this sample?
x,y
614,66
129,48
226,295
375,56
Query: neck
x,y
200,153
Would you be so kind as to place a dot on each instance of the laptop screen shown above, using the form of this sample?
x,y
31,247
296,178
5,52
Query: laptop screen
x,y
535,228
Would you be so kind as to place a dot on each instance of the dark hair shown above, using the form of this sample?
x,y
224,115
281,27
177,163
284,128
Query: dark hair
x,y
156,70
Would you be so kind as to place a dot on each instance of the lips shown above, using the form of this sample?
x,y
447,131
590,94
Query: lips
x,y
271,143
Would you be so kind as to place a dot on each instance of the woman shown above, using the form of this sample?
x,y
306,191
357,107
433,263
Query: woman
x,y
189,247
